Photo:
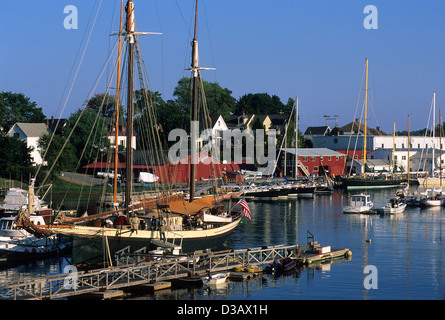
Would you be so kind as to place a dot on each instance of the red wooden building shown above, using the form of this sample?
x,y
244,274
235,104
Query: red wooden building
x,y
312,162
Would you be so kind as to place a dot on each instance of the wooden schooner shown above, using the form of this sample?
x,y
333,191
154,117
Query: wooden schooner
x,y
169,219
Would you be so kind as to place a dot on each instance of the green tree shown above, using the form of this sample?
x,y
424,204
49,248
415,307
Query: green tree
x,y
219,100
16,107
106,104
259,103
57,156
89,137
15,158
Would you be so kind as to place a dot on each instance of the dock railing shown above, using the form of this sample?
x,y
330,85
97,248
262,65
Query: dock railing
x,y
142,272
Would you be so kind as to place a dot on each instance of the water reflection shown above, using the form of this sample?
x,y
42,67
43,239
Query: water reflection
x,y
406,248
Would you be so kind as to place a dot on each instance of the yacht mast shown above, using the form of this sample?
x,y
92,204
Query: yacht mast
x,y
409,145
296,138
434,133
366,120
129,8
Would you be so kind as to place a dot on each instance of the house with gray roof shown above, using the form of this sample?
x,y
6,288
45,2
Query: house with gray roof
x,y
30,133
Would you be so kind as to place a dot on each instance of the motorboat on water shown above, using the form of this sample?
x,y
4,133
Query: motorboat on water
x,y
394,205
359,203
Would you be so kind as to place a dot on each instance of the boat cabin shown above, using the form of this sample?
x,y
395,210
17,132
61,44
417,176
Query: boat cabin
x,y
8,227
360,200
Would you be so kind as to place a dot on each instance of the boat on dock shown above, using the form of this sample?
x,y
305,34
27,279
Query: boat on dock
x,y
216,279
359,203
18,245
281,266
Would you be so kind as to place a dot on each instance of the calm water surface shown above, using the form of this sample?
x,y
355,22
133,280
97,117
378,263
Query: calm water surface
x,y
407,250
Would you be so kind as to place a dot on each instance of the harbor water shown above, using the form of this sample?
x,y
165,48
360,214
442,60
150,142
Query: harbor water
x,y
404,254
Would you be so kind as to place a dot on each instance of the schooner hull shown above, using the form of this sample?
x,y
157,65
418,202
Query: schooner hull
x,y
93,244
373,183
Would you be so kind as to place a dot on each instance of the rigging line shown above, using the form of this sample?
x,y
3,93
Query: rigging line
x,y
111,26
74,62
372,99
162,46
72,84
425,149
283,140
355,113
78,119
97,128
210,38
147,107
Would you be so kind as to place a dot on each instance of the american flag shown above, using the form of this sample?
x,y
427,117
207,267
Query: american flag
x,y
245,210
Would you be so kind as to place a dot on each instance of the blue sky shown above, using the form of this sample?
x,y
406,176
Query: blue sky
x,y
315,50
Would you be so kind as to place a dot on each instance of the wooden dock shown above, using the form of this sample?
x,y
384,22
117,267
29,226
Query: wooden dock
x,y
134,272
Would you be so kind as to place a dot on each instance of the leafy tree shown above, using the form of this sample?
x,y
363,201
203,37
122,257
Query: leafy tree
x,y
259,103
54,155
15,158
104,103
89,138
16,107
219,100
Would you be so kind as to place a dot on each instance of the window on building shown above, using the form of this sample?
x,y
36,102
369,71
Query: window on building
x,y
316,169
312,159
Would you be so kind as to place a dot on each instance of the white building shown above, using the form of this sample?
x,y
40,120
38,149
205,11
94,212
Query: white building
x,y
30,133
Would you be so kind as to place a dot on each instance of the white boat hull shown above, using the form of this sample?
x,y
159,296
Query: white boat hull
x,y
354,209
400,209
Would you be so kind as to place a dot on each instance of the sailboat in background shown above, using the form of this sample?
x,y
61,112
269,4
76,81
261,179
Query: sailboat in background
x,y
367,181
434,178
299,189
170,220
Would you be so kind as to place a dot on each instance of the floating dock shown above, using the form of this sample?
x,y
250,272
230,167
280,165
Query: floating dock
x,y
134,272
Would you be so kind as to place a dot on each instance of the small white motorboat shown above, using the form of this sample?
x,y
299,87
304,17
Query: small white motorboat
x,y
217,278
359,203
394,205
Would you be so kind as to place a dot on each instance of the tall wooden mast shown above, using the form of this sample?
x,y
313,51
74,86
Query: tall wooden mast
x,y
129,150
116,145
194,115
